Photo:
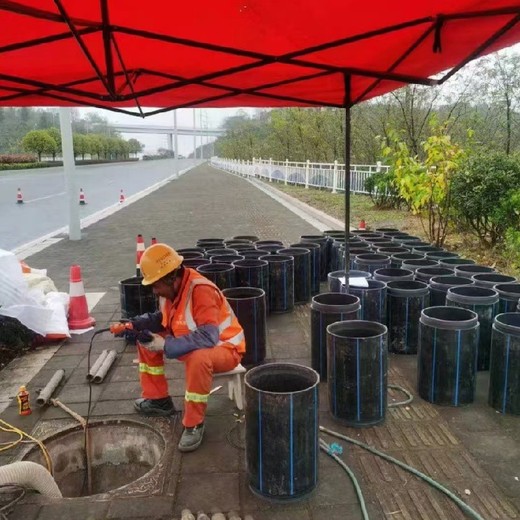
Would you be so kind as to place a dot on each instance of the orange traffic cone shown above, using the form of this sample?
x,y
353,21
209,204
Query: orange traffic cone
x,y
362,225
82,200
121,197
78,309
154,241
139,254
19,196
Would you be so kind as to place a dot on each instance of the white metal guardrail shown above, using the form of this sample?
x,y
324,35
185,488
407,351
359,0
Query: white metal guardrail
x,y
316,175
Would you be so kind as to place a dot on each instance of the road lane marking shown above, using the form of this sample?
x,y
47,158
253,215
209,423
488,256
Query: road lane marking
x,y
47,197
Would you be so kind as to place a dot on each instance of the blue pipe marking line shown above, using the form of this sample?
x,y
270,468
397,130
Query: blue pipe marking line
x,y
406,324
255,333
381,411
321,343
284,284
380,308
291,446
504,398
315,433
358,379
260,454
434,361
334,400
457,375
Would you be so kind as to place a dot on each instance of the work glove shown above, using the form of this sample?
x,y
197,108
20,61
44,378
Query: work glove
x,y
156,344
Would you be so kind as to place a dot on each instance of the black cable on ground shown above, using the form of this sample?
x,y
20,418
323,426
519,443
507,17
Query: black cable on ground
x,y
230,433
86,480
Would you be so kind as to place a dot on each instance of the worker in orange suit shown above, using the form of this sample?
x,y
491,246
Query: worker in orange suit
x,y
195,325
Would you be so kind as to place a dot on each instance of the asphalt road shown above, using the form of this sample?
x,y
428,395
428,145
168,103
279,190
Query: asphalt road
x,y
45,207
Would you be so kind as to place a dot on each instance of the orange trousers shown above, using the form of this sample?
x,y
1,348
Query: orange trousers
x,y
200,365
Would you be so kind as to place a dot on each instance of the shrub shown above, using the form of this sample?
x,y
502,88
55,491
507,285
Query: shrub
x,y
382,190
13,158
484,194
20,166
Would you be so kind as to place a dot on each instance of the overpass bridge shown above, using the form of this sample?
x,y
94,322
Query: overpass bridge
x,y
166,129
170,131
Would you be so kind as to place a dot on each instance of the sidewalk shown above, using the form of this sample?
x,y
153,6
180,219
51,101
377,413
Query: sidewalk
x,y
471,448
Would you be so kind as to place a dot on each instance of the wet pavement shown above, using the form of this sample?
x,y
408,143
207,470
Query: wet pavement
x,y
474,451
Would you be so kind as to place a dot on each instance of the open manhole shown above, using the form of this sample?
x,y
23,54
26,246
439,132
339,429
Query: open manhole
x,y
120,453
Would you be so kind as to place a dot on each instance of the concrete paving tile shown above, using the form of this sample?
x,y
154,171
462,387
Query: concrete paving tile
x,y
174,369
334,488
280,513
123,373
78,393
218,427
220,405
77,376
290,351
78,509
126,359
119,407
52,412
208,492
177,387
123,390
347,512
142,507
251,501
211,457
64,362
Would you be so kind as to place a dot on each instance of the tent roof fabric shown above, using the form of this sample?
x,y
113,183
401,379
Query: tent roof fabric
x,y
119,54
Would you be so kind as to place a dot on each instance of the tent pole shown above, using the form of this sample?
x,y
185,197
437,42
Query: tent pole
x,y
347,122
176,140
69,168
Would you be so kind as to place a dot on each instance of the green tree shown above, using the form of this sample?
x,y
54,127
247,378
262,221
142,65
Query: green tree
x,y
39,141
56,135
483,195
134,146
426,184
81,145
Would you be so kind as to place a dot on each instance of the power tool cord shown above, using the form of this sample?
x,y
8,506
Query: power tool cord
x,y
87,480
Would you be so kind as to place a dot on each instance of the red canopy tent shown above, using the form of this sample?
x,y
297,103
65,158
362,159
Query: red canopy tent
x,y
122,53
117,54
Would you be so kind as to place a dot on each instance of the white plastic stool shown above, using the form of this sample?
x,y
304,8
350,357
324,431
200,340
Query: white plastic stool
x,y
234,378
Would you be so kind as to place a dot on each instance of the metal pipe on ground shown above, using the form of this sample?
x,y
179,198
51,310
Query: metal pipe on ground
x,y
50,387
105,367
96,366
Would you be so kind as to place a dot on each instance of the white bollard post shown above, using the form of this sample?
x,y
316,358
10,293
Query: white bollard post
x,y
307,172
69,168
286,170
270,169
335,178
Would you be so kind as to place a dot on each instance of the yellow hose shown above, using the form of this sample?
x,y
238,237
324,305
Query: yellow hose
x,y
9,428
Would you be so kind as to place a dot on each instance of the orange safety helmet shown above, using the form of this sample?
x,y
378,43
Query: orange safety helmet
x,y
157,261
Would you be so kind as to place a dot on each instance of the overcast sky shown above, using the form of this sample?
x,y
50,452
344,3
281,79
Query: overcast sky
x,y
207,118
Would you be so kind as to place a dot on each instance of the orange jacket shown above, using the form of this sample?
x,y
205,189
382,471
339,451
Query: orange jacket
x,y
200,303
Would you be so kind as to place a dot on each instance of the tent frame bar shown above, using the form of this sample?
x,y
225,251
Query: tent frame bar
x,y
260,59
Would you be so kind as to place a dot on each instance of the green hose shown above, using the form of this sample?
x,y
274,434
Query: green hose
x,y
401,403
462,505
327,449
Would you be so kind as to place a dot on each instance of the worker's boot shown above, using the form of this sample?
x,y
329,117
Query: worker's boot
x,y
191,438
155,407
